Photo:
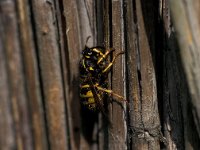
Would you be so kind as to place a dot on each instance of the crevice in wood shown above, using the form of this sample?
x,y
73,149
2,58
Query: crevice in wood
x,y
35,40
64,61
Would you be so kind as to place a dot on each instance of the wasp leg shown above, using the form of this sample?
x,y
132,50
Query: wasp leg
x,y
110,92
112,62
105,55
104,90
86,86
83,62
97,51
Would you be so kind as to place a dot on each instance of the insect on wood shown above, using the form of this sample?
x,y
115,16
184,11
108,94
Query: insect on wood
x,y
94,69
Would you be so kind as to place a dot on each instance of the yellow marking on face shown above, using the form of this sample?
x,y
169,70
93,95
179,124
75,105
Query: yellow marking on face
x,y
85,86
90,68
87,56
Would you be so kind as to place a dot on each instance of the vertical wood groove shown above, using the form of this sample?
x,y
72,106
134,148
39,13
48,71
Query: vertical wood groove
x,y
40,49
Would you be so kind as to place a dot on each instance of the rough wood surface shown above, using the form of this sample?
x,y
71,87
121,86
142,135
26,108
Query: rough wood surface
x,y
40,49
186,21
6,121
21,122
142,92
172,87
117,134
188,32
32,76
45,22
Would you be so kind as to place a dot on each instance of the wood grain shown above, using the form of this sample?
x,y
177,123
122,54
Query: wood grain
x,y
40,49
50,72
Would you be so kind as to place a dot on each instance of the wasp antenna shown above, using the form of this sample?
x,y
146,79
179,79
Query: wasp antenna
x,y
87,40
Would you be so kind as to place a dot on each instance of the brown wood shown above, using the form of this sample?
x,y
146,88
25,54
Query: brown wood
x,y
186,22
50,71
14,69
72,54
6,121
40,49
172,85
172,116
32,77
117,134
144,118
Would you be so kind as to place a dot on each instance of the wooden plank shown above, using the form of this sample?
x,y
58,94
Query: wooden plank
x,y
172,85
87,20
144,118
73,40
50,70
132,77
31,75
188,33
40,49
148,106
7,136
117,134
186,21
16,80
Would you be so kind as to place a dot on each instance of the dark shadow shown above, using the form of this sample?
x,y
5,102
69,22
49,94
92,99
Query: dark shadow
x,y
167,61
75,110
88,120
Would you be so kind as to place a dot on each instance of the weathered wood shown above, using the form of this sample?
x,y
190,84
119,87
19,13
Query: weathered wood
x,y
133,86
15,78
50,72
188,33
7,136
117,134
31,75
142,92
87,22
186,21
40,49
172,85
72,54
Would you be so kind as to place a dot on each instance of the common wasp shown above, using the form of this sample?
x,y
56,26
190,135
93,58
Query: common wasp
x,y
94,69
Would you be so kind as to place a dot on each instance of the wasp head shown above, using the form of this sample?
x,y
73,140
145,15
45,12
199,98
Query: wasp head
x,y
87,52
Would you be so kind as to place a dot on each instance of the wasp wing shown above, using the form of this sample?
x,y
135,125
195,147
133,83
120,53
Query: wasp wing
x,y
97,98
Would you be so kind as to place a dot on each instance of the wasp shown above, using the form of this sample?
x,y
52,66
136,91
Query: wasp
x,y
94,69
